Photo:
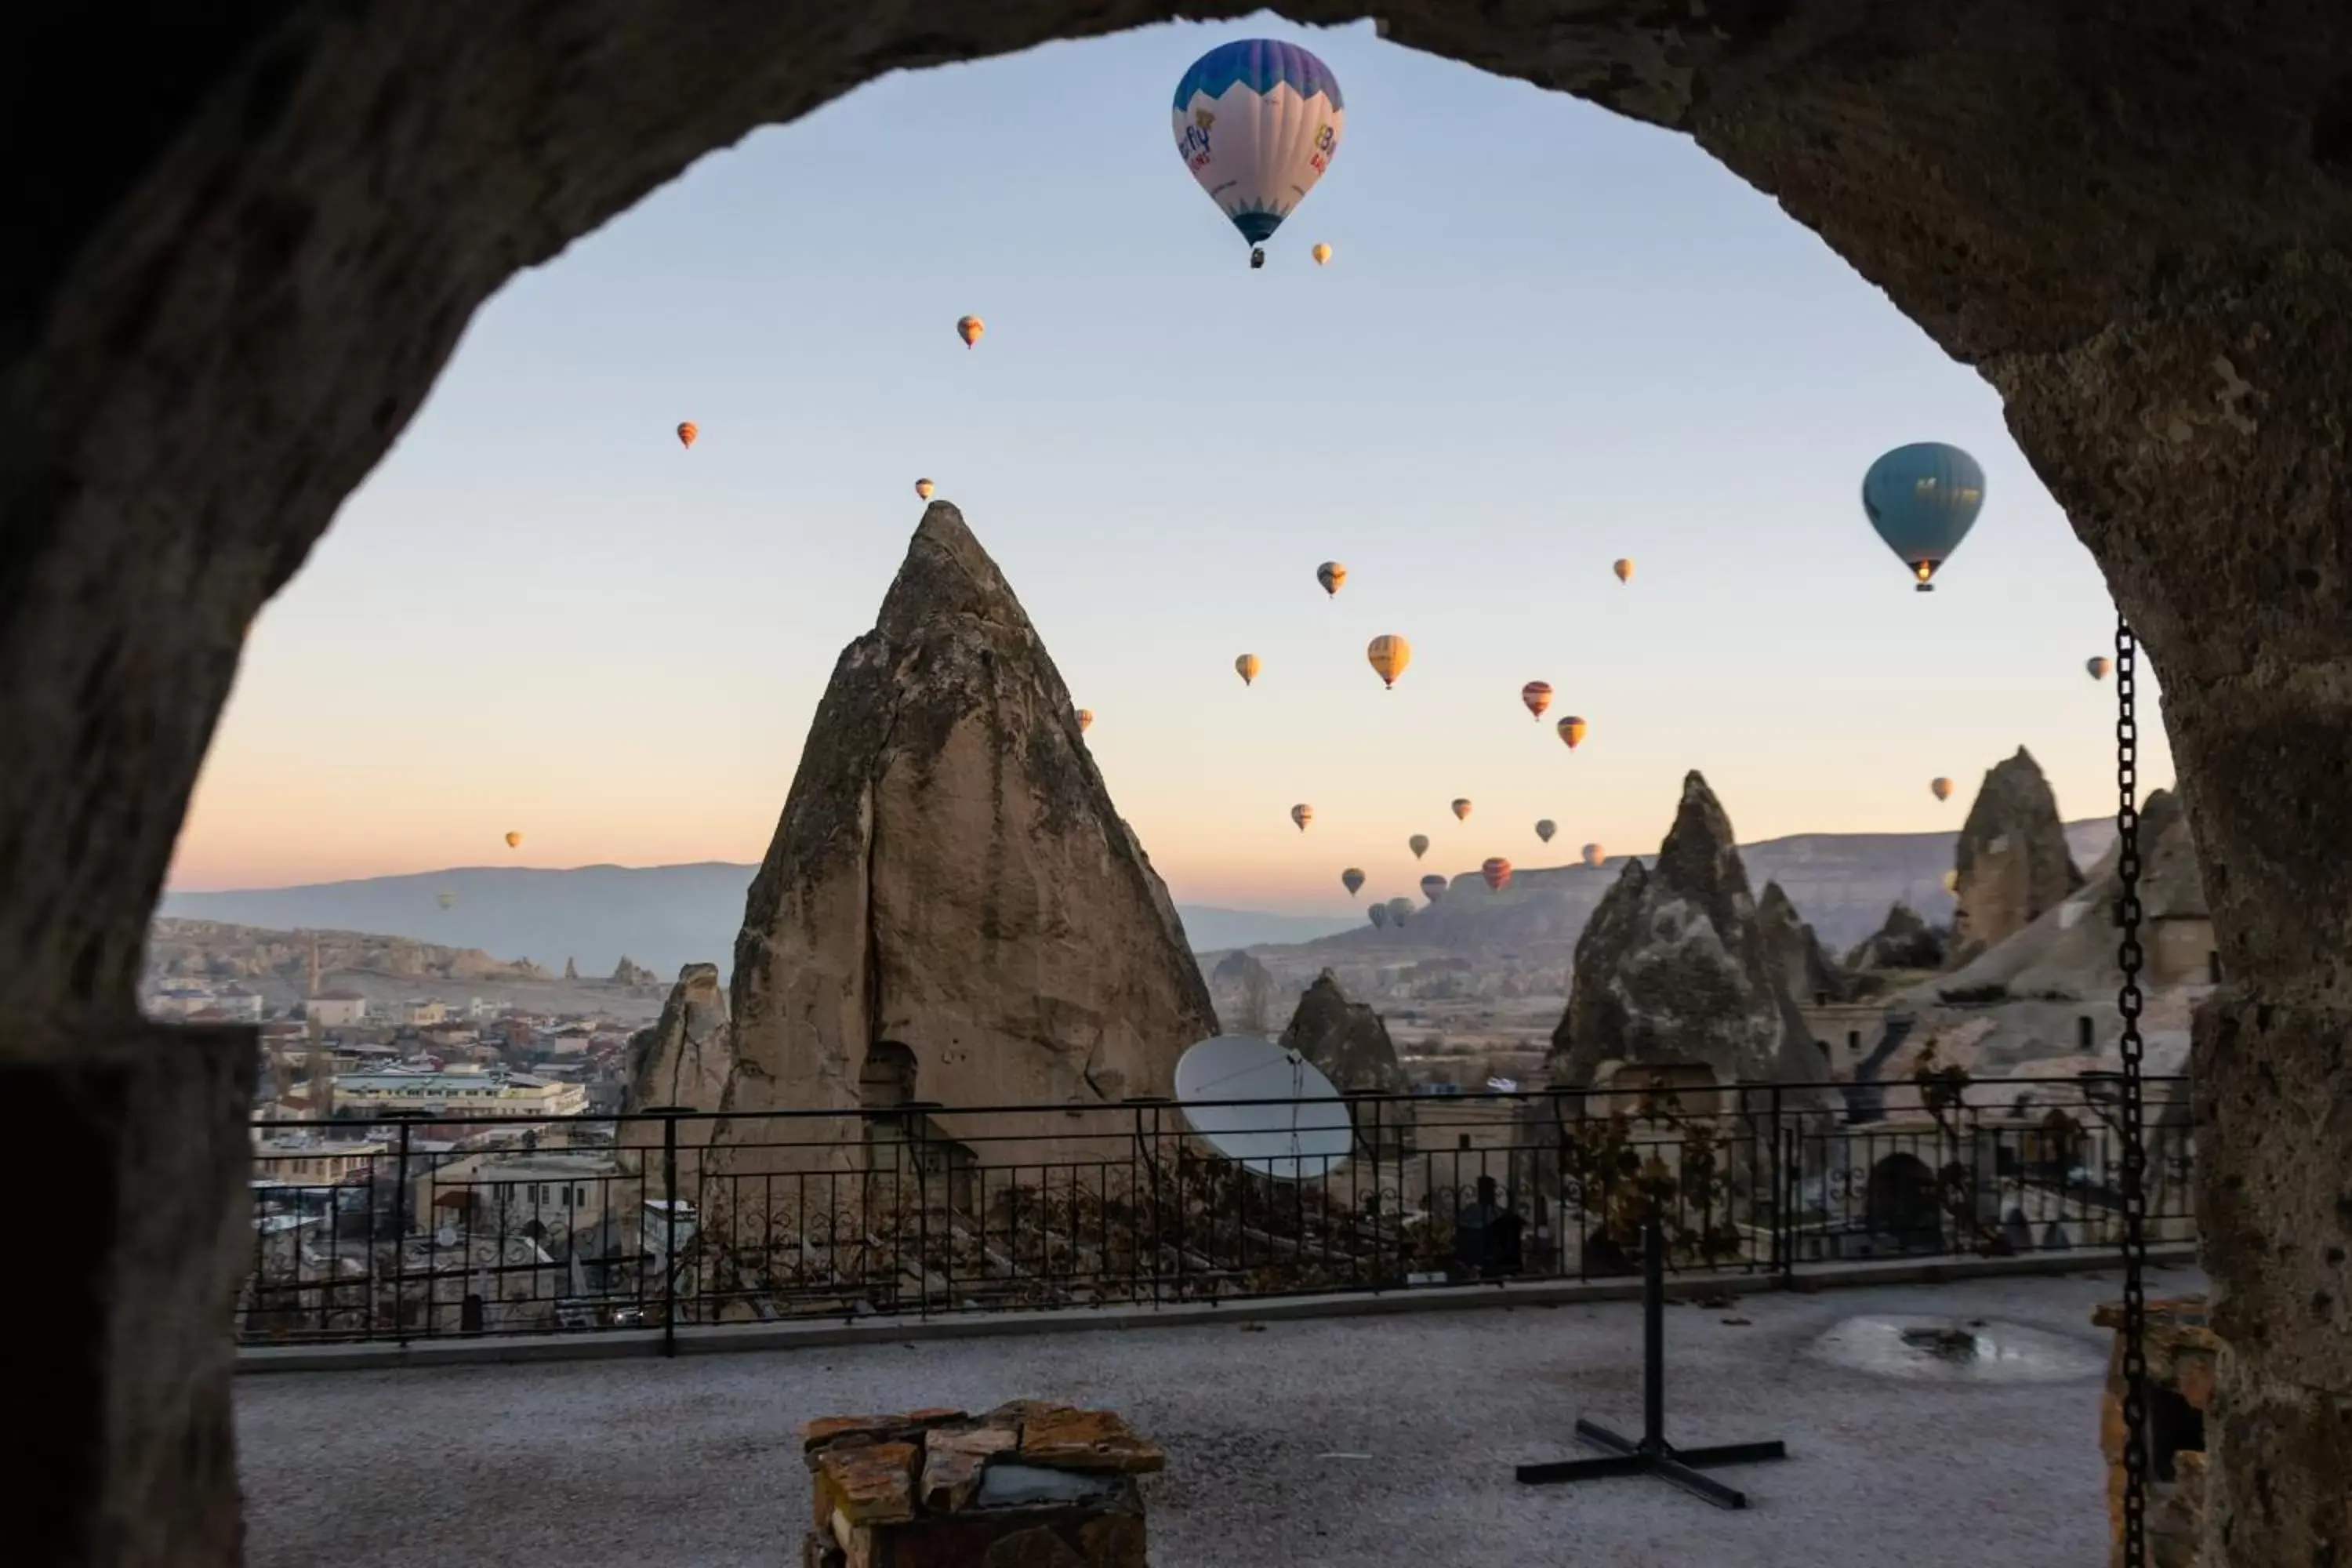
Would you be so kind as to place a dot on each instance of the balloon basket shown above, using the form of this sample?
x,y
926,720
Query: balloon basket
x,y
1257,256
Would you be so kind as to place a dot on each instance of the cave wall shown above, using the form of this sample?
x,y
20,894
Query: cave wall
x,y
232,275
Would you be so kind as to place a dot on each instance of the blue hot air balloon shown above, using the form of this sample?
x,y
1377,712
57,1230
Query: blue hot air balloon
x,y
1923,499
1257,121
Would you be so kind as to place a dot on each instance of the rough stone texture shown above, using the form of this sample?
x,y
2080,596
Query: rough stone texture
x,y
1028,1485
2181,1356
2012,860
686,1059
1806,973
950,876
1904,942
1673,967
128,1143
1346,1040
235,283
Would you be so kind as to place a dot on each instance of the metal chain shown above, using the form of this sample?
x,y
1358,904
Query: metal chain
x,y
2127,1003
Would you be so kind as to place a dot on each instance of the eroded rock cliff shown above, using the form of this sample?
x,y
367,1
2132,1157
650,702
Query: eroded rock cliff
x,y
2013,861
1806,973
1346,1040
951,895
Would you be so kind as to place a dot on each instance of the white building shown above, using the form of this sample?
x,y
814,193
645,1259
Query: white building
x,y
243,1006
419,1012
336,1010
460,1090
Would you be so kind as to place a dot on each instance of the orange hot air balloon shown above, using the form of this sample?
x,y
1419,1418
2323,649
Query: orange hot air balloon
x,y
968,329
1498,872
1623,567
1536,695
1247,666
1418,843
1322,255
1389,654
686,431
514,840
1943,788
1461,811
1594,855
1302,813
1085,719
1571,729
923,487
2098,667
1332,576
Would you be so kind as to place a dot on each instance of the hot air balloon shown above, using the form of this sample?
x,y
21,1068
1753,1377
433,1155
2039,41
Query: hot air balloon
x,y
2097,667
1085,719
1952,881
1247,666
514,840
1923,499
1461,811
1352,879
968,329
1433,887
445,899
1546,828
1389,654
1302,813
1380,915
1536,695
1322,255
1623,567
686,431
1594,855
1332,576
1571,729
1418,843
1942,788
1257,121
923,489
1400,911
1498,872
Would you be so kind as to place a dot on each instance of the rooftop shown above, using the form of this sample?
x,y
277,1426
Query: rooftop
x,y
1364,1441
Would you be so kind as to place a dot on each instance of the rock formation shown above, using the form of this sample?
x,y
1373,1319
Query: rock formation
x,y
2013,861
1346,1040
950,891
570,969
1673,967
1904,942
1805,971
1244,992
685,1058
628,971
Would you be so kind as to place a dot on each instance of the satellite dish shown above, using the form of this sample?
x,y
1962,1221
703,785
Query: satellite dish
x,y
1264,1108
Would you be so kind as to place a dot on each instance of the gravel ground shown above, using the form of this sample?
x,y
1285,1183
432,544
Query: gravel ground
x,y
1314,1444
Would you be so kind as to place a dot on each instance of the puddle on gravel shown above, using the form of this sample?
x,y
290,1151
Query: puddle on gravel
x,y
1955,1350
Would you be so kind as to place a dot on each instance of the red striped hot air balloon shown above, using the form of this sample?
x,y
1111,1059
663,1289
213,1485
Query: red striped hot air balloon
x,y
1302,813
1536,695
1461,811
1498,872
1942,788
686,431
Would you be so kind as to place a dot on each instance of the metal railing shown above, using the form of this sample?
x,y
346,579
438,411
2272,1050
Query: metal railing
x,y
416,1230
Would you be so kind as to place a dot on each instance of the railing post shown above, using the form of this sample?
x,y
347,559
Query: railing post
x,y
917,1133
1779,1185
399,1242
669,1229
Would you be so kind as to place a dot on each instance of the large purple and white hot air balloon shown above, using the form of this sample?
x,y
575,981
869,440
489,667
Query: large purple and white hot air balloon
x,y
1257,121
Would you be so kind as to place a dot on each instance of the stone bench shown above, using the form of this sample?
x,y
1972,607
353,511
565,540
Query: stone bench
x,y
1027,1485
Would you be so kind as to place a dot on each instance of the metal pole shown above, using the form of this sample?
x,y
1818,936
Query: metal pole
x,y
669,1239
2127,1003
1654,1332
400,1243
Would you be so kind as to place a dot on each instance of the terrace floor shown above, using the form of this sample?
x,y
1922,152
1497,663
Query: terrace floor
x,y
1307,1444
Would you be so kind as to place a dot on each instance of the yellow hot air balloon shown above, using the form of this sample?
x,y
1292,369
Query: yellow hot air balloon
x,y
1571,729
1418,843
447,898
1536,695
968,329
1322,255
1943,788
1331,574
514,840
1623,567
1247,666
1389,654
1085,719
1302,813
1952,881
1594,855
923,487
1461,811
686,431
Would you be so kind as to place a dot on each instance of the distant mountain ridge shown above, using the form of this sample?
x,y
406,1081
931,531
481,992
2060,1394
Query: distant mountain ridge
x,y
667,916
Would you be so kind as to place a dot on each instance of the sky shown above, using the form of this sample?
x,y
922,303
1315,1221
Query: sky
x,y
1547,338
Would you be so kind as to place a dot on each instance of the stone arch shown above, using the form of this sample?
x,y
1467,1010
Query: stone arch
x,y
228,294
1903,1203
